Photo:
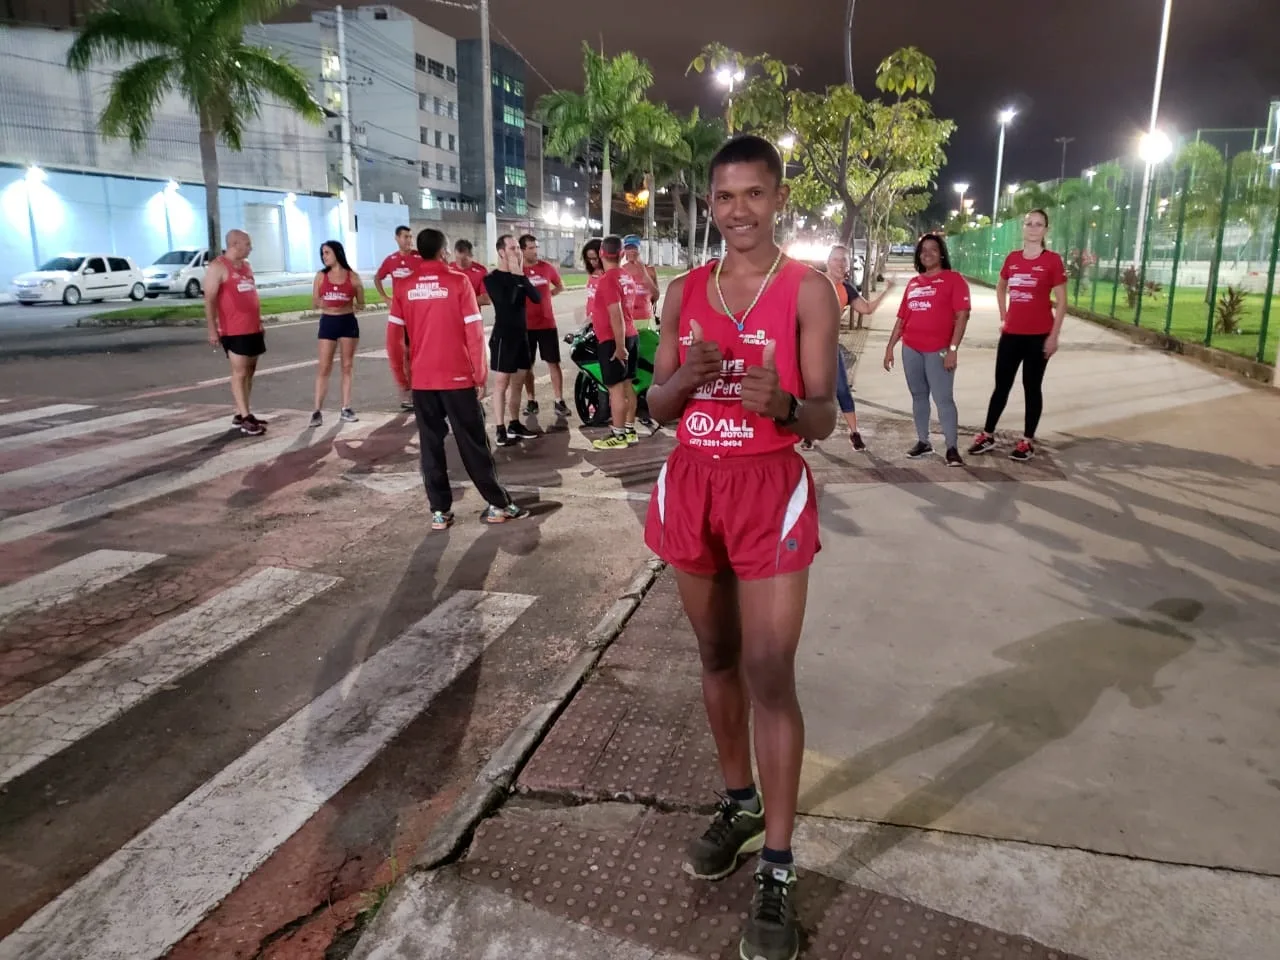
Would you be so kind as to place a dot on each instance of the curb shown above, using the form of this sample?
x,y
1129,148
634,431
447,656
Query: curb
x,y
106,319
495,779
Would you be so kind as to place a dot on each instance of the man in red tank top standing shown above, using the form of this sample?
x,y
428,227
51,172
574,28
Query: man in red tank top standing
x,y
234,315
747,365
644,282
399,266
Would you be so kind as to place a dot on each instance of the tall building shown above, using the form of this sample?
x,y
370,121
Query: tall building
x,y
402,85
508,120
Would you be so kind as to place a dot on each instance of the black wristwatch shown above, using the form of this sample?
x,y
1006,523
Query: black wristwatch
x,y
793,412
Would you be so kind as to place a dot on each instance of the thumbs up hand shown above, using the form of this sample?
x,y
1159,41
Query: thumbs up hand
x,y
702,358
760,391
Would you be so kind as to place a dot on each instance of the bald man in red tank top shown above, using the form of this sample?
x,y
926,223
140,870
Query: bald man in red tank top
x,y
747,365
234,316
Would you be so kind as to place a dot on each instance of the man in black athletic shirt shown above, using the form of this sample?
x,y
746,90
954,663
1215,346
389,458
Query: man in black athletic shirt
x,y
509,355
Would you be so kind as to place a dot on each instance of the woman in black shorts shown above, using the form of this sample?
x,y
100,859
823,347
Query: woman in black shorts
x,y
337,292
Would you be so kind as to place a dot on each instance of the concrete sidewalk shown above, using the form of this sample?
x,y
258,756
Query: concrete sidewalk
x,y
1040,703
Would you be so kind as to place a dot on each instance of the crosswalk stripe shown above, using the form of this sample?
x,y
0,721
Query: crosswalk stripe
x,y
151,892
52,717
167,481
112,453
85,427
42,413
79,576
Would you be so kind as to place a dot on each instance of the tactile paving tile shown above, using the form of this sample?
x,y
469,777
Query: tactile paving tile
x,y
628,881
563,761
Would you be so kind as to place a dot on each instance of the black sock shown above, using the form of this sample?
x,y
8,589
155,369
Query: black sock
x,y
747,798
779,858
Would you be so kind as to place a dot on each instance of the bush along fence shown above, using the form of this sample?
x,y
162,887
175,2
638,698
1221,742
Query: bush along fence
x,y
1206,272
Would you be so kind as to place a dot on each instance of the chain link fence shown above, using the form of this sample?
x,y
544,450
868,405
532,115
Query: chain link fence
x,y
1206,271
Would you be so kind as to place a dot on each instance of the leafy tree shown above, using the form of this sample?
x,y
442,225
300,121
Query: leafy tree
x,y
194,48
701,137
658,153
1031,196
758,102
606,116
907,70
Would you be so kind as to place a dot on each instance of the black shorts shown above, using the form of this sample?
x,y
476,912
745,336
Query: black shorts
x,y
509,353
611,371
245,344
343,326
544,343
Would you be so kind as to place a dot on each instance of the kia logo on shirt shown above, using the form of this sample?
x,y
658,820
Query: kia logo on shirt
x,y
699,424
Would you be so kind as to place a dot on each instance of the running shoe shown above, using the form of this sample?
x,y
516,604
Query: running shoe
x,y
501,439
806,444
921,449
632,436
734,833
441,519
1024,451
251,428
237,420
503,514
953,457
531,408
406,406
614,441
317,419
772,932
855,438
347,415
518,431
561,408
981,444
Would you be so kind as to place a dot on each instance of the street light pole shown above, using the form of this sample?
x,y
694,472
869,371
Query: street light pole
x,y
1062,173
1006,116
486,123
1148,164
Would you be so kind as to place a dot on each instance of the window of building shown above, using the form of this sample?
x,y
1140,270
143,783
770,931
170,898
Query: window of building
x,y
420,61
439,140
451,74
426,169
513,116
453,110
497,78
424,198
453,143
440,171
555,184
517,88
453,174
422,102
506,84
513,176
438,105
522,207
435,68
422,134
380,14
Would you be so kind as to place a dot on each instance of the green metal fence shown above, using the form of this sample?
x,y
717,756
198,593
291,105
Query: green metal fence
x,y
1207,269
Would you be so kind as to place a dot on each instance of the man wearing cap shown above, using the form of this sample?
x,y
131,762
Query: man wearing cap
x,y
640,282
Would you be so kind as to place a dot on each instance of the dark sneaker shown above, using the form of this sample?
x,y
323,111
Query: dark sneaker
x,y
347,415
501,439
1024,451
953,457
441,520
981,444
252,419
237,420
806,444
518,431
855,438
561,408
406,406
503,514
921,449
317,419
771,932
251,428
531,408
733,834
614,441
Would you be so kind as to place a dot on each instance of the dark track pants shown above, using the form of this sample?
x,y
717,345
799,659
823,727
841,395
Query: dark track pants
x,y
466,419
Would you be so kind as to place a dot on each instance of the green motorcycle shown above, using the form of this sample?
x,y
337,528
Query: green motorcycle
x,y
590,395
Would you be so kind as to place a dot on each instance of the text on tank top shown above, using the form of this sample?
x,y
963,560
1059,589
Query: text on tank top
x,y
714,420
337,296
239,311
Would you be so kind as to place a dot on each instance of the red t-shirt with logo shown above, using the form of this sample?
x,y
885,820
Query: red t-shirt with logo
x,y
929,307
442,321
239,310
544,277
608,291
399,266
475,272
1031,283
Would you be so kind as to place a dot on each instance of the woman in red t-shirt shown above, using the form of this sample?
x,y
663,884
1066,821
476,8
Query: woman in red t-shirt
x,y
931,324
1032,295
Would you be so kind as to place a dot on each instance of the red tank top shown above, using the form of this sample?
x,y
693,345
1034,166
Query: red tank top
x,y
641,305
239,312
337,296
714,421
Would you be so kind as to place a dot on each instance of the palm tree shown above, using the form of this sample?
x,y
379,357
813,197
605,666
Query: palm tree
x,y
702,138
194,48
658,154
606,116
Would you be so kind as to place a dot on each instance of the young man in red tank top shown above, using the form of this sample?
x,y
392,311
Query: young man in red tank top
x,y
234,316
747,364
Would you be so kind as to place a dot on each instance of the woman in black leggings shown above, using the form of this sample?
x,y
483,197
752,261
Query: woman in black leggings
x,y
1032,296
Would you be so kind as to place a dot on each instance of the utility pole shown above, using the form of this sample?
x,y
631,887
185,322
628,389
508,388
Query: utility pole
x,y
1151,133
350,168
486,109
1062,174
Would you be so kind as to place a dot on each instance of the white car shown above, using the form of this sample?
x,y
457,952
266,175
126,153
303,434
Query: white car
x,y
74,277
178,271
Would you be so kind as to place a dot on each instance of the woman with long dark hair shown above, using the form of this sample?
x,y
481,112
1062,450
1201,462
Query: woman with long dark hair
x,y
337,293
1032,297
931,324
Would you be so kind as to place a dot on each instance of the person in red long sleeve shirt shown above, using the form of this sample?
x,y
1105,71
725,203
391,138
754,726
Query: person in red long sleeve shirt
x,y
398,266
464,262
447,373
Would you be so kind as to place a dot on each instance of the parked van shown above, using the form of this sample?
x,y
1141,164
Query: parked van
x,y
178,271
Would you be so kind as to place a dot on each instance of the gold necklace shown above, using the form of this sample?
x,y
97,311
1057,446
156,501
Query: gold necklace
x,y
740,324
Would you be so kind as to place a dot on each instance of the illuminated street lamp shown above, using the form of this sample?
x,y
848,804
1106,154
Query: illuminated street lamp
x,y
1151,146
1005,117
960,188
1154,148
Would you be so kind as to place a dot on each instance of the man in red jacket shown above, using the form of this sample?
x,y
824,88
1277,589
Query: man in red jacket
x,y
447,373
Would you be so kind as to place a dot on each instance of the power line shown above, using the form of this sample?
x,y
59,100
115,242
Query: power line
x,y
528,62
